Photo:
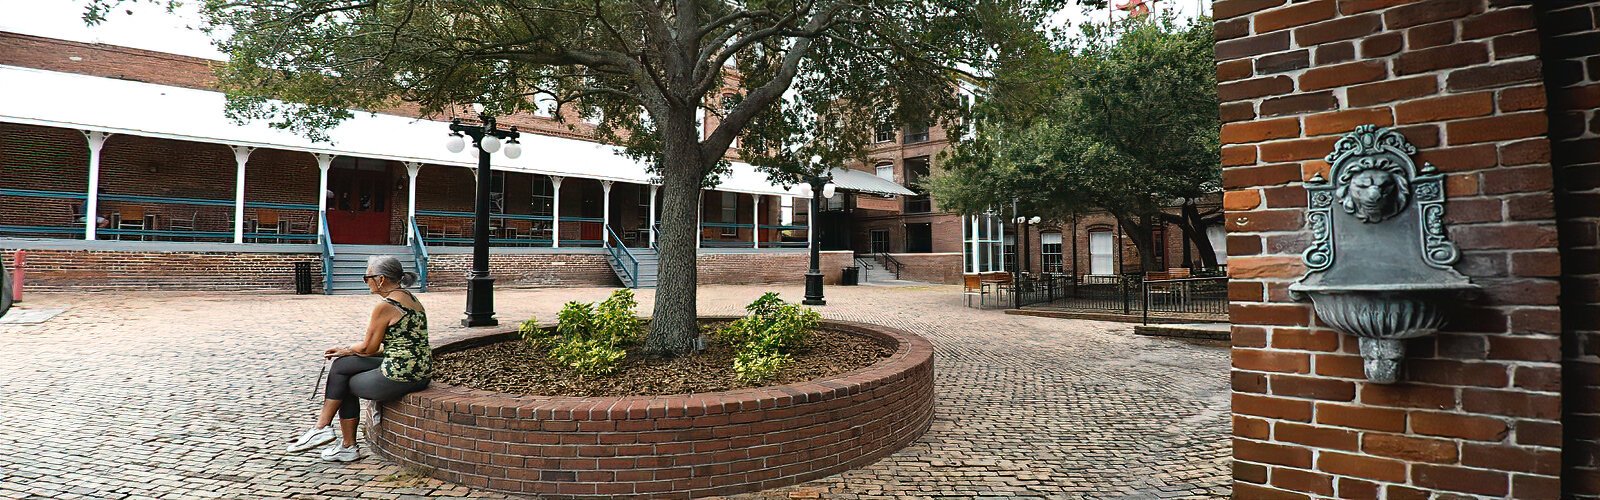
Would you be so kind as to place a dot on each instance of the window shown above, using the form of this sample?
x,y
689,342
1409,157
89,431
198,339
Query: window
x,y
1011,252
1158,247
886,171
915,170
1050,252
730,214
981,249
1219,241
1101,260
885,132
497,192
786,210
644,206
880,241
916,133
544,195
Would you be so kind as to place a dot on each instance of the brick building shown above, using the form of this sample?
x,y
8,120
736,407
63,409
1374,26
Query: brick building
x,y
1500,97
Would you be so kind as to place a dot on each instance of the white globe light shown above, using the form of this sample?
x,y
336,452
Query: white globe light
x,y
1035,219
827,191
1022,219
805,190
455,144
489,144
477,107
513,149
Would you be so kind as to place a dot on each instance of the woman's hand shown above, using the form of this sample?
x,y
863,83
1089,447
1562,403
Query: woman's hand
x,y
336,352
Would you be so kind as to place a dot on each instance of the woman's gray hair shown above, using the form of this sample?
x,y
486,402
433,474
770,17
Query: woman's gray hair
x,y
389,267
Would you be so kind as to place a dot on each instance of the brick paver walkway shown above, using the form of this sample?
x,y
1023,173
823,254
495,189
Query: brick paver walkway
x,y
152,395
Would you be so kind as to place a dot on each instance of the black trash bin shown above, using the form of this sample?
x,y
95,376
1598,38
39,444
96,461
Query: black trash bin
x,y
852,276
302,278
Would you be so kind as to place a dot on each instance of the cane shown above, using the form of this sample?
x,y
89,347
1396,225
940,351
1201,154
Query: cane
x,y
320,373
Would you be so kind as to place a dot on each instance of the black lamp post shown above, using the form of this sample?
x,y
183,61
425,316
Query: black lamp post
x,y
821,187
486,138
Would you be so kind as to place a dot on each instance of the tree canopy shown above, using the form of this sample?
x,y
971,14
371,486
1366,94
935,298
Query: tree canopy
x,y
1122,119
786,79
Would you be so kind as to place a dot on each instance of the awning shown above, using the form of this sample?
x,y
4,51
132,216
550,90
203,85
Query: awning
x,y
856,180
68,100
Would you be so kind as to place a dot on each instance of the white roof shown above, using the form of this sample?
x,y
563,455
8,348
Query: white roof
x,y
68,100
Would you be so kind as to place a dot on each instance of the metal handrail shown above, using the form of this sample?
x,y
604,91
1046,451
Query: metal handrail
x,y
326,240
889,259
419,253
618,251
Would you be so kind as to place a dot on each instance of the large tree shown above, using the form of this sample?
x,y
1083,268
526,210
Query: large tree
x,y
1123,119
787,79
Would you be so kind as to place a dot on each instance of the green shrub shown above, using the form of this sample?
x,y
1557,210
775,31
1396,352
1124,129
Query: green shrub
x,y
530,332
593,337
763,339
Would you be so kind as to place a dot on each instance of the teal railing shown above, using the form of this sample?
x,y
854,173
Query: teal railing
x,y
69,195
419,251
326,239
619,252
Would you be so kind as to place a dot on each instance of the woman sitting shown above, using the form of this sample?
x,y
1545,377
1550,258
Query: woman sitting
x,y
394,359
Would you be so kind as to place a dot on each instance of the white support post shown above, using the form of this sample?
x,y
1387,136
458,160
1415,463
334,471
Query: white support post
x,y
605,214
555,211
412,169
91,204
755,222
974,246
241,155
652,220
1002,247
324,162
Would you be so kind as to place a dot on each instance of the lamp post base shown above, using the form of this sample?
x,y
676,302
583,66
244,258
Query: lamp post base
x,y
480,302
814,289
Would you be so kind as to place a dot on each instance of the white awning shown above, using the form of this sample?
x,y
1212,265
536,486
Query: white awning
x,y
67,100
856,180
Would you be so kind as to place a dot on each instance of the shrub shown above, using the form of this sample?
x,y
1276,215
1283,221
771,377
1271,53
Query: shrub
x,y
763,339
593,337
530,332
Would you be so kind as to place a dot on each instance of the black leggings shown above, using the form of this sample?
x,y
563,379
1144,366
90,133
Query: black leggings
x,y
358,377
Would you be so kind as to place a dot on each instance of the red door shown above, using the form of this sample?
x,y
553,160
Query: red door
x,y
358,213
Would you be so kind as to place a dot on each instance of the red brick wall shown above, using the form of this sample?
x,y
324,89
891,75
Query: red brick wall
x,y
668,446
1571,37
762,268
449,271
88,270
1478,411
931,267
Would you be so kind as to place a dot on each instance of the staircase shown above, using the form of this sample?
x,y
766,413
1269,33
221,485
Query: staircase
x,y
649,265
350,264
874,273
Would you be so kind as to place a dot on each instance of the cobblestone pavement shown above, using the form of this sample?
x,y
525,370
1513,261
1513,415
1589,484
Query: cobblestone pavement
x,y
164,395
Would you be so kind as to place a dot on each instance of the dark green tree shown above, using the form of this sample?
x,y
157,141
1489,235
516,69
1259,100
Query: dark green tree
x,y
787,79
1123,119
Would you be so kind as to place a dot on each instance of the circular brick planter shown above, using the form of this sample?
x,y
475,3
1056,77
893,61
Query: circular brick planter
x,y
679,446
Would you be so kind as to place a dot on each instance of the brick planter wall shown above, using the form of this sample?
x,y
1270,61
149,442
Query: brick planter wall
x,y
750,268
1478,412
931,267
666,446
87,270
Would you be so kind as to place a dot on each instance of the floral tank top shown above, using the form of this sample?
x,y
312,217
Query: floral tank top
x,y
406,354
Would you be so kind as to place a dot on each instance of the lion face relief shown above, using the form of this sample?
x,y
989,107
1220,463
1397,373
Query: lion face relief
x,y
1372,190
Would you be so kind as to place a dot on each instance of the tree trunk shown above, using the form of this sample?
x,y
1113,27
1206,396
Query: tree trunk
x,y
675,326
1139,232
1197,226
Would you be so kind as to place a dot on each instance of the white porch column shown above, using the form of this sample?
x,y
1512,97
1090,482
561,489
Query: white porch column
x,y
755,222
652,220
241,154
555,211
605,214
412,169
1002,248
324,162
91,204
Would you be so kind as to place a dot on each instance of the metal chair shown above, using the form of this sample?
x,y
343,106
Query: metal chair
x,y
183,224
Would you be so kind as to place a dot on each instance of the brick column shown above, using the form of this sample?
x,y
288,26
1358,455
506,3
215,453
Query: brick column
x,y
1571,37
1478,410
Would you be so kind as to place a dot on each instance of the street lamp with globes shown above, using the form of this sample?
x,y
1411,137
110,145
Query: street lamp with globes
x,y
823,185
488,139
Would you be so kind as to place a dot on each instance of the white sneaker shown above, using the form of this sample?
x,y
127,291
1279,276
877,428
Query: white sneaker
x,y
337,452
312,439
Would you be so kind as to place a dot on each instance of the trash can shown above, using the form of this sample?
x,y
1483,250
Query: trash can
x,y
302,278
852,276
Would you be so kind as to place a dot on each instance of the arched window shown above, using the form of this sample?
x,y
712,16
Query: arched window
x,y
1050,252
885,170
1102,251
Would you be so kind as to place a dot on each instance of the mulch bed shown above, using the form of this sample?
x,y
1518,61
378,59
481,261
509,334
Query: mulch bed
x,y
514,367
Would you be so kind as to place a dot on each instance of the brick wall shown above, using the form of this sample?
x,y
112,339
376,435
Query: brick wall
x,y
91,270
1571,41
1478,412
931,267
669,446
750,268
448,271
